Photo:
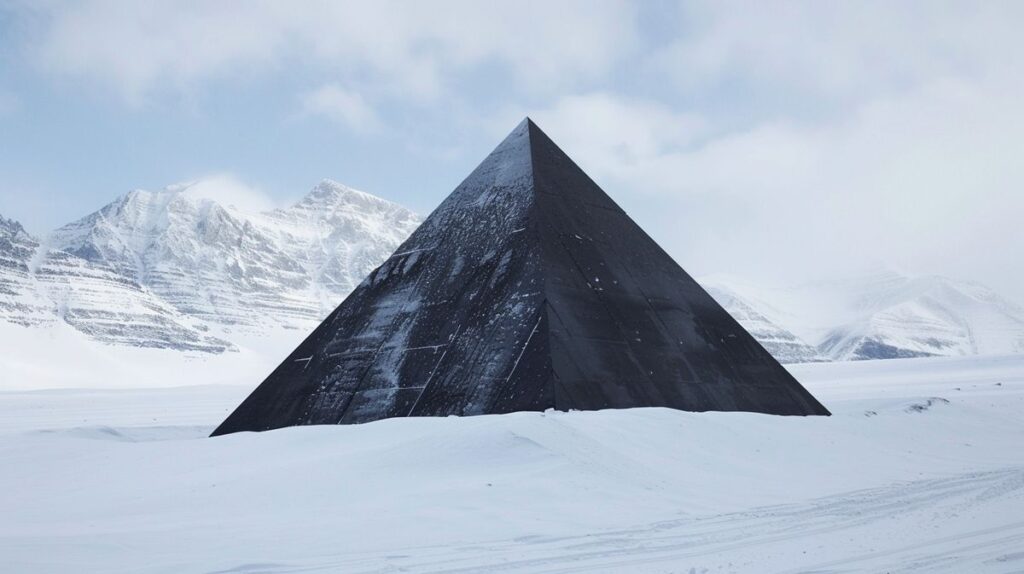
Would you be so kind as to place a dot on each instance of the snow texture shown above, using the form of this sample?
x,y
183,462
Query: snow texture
x,y
179,271
918,470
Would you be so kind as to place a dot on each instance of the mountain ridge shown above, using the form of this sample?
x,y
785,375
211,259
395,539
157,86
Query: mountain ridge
x,y
175,269
885,314
166,269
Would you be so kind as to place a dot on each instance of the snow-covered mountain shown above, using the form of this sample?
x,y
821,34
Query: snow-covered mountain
x,y
18,301
901,316
173,269
780,342
39,287
880,315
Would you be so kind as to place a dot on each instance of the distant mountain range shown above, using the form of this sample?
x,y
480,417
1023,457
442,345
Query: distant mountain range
x,y
175,270
880,315
168,269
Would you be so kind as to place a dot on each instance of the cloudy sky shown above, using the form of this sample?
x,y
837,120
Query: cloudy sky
x,y
773,141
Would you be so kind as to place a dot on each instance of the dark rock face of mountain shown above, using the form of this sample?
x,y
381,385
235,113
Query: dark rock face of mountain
x,y
528,288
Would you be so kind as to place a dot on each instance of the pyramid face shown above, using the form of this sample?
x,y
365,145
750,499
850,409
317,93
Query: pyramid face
x,y
528,288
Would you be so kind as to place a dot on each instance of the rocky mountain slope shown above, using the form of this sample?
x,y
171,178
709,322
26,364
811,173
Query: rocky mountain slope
x,y
879,315
903,316
168,269
780,342
18,301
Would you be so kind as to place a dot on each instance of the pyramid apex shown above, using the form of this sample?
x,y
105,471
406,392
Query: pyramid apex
x,y
525,125
532,125
526,136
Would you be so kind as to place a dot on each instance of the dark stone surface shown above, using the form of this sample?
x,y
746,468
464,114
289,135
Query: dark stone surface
x,y
528,288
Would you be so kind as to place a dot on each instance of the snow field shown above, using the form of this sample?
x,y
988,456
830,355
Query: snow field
x,y
921,468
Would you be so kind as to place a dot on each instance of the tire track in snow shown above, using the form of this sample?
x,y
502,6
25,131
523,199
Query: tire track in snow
x,y
689,538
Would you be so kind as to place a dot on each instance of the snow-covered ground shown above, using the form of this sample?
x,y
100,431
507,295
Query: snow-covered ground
x,y
921,468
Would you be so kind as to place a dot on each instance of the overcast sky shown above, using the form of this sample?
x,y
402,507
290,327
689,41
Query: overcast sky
x,y
772,141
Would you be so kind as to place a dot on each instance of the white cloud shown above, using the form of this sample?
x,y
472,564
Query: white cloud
x,y
616,133
407,49
342,106
843,50
228,190
928,180
851,134
755,135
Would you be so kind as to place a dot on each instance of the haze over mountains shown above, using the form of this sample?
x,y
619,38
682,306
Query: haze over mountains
x,y
879,315
176,270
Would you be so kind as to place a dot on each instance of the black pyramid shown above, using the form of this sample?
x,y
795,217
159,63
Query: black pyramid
x,y
528,288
